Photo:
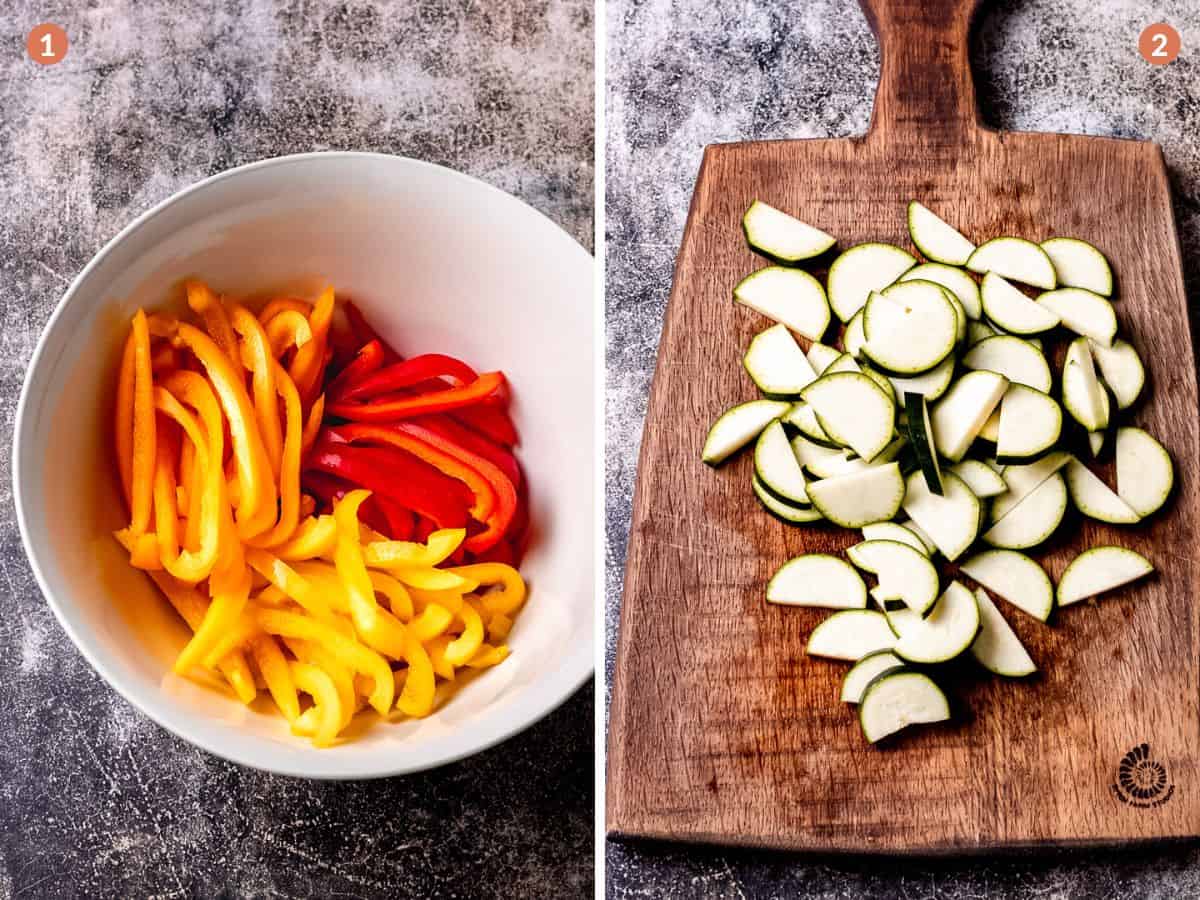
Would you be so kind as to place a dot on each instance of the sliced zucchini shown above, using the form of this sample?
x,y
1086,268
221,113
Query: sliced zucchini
x,y
777,468
785,512
862,269
789,296
1145,473
738,426
1122,370
958,282
1030,424
854,411
1096,442
1098,570
1082,394
1078,264
853,337
860,498
911,328
1012,311
990,431
951,521
777,365
1014,358
982,479
851,634
1094,498
946,632
979,331
782,238
844,363
817,580
921,535
1022,480
1016,259
1015,577
864,672
893,531
904,573
802,417
997,648
935,238
1083,312
822,461
895,700
920,437
1031,520
821,355
958,416
931,384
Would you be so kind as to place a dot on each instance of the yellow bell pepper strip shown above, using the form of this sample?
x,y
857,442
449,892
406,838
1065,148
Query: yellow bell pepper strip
x,y
288,328
417,698
394,554
143,549
255,485
284,304
432,621
488,656
272,595
321,688
498,627
397,595
376,627
312,427
289,474
123,427
463,648
230,591
216,321
325,578
277,674
343,677
306,367
511,595
308,506
313,538
347,650
452,600
288,580
144,455
428,579
237,637
437,656
256,356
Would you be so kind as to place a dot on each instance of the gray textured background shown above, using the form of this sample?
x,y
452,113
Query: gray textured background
x,y
95,800
686,73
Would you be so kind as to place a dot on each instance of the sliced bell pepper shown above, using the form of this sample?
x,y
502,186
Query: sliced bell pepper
x,y
377,627
289,475
422,404
364,333
259,359
473,441
316,683
312,427
216,321
313,537
306,367
145,454
287,328
276,305
490,420
277,674
367,360
123,425
413,371
400,521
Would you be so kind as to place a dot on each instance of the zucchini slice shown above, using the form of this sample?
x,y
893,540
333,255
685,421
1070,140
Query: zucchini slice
x,y
738,426
785,512
817,580
893,531
997,648
958,282
1014,358
1122,370
904,573
1083,312
1031,520
990,431
789,296
982,479
777,468
863,672
1012,311
931,384
1015,577
920,533
844,363
946,632
782,238
777,365
1096,442
951,521
961,413
920,437
1022,480
1094,498
1078,264
1082,394
851,634
860,498
820,356
935,238
854,411
1145,473
862,269
853,336
910,328
1030,424
801,417
1098,570
1016,259
895,700
822,461
978,331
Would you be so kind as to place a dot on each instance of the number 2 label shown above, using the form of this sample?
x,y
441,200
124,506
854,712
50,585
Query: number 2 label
x,y
1159,44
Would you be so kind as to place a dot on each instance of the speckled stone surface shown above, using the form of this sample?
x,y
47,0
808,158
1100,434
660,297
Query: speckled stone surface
x,y
686,73
95,800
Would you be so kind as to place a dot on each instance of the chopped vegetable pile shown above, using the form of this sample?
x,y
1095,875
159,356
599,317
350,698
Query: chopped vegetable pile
x,y
935,426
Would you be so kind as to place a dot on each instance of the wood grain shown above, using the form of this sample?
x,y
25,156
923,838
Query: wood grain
x,y
722,730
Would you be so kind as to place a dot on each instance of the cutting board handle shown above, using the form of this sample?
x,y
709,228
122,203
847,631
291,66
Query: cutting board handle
x,y
925,87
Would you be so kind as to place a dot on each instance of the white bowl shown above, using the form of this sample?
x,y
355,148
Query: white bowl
x,y
440,262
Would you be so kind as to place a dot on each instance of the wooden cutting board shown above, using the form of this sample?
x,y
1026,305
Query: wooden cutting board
x,y
722,730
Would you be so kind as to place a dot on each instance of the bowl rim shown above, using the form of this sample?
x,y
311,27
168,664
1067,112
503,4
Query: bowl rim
x,y
563,683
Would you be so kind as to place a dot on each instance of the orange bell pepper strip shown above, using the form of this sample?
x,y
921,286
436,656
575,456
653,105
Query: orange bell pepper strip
x,y
287,328
306,367
289,474
391,410
124,418
216,320
377,627
144,456
284,304
312,427
256,488
258,358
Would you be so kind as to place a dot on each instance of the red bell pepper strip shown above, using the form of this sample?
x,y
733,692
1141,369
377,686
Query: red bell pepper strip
x,y
329,490
367,360
364,333
396,475
400,521
429,367
492,421
452,430
407,407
